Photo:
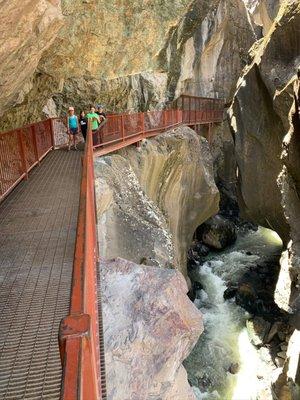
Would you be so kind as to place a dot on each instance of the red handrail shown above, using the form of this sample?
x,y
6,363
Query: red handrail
x,y
81,350
79,332
20,150
125,129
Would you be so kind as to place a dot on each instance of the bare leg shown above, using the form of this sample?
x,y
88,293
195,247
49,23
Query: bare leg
x,y
70,141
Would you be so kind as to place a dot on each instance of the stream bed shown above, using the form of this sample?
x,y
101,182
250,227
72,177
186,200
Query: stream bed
x,y
224,364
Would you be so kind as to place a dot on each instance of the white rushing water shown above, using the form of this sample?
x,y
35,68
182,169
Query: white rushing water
x,y
225,340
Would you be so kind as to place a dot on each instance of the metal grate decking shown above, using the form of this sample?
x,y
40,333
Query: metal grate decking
x,y
37,237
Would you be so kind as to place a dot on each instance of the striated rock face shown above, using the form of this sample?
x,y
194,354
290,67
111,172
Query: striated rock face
x,y
97,41
263,14
150,200
26,32
137,55
205,53
260,121
150,328
265,121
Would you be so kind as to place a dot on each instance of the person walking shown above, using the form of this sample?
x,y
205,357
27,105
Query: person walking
x,y
83,122
95,121
72,127
102,116
103,120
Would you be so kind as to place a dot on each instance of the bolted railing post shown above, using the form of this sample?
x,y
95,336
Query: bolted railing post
x,y
122,128
52,133
143,124
23,153
35,146
164,119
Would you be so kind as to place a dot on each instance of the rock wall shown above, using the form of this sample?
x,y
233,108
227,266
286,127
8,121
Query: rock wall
x,y
265,122
26,33
133,55
151,200
150,328
260,121
205,53
263,14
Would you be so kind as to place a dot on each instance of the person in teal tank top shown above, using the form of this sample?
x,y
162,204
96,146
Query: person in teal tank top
x,y
72,126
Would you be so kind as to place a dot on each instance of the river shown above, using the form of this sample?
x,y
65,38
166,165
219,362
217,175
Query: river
x,y
225,341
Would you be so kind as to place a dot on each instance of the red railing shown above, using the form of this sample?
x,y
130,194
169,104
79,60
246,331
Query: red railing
x,y
81,348
200,110
81,353
20,150
125,129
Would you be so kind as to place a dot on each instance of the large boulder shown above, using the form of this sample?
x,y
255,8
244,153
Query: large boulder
x,y
150,200
150,327
217,232
258,330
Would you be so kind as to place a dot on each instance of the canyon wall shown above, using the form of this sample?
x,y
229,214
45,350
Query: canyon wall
x,y
129,56
26,33
150,200
260,120
263,14
265,123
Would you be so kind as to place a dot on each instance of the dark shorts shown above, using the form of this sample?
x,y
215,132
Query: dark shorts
x,y
73,131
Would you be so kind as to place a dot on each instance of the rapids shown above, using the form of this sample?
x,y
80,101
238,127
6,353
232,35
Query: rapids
x,y
224,342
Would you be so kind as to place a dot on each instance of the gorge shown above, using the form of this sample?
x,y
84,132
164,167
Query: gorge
x,y
181,219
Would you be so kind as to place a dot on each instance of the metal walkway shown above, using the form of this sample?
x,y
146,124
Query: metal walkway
x,y
37,238
48,291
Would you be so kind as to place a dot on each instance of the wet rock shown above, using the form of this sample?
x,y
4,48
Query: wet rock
x,y
282,335
282,354
279,362
217,232
265,356
258,329
256,291
197,286
193,260
200,249
284,347
246,296
234,368
230,292
273,331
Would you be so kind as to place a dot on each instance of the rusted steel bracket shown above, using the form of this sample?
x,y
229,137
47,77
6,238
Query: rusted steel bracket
x,y
71,327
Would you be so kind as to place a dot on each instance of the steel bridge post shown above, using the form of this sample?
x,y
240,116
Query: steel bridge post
x,y
23,153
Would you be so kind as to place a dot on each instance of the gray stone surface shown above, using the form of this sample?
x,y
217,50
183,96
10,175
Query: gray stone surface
x,y
151,200
150,327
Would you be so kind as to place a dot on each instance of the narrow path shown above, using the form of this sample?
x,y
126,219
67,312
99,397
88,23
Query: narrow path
x,y
37,238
